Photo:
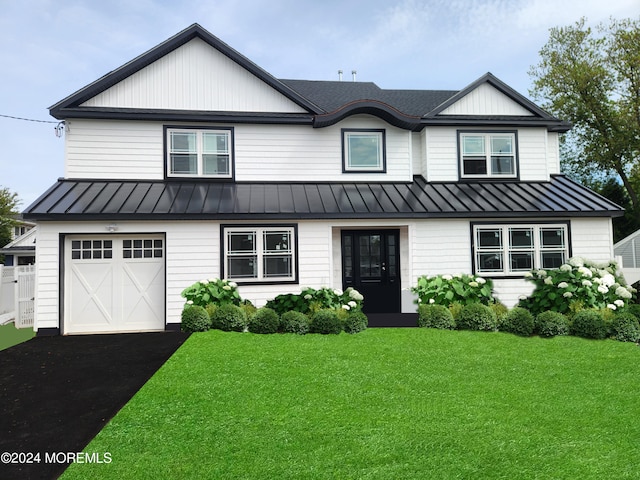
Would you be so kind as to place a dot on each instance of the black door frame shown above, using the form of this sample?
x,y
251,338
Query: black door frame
x,y
389,279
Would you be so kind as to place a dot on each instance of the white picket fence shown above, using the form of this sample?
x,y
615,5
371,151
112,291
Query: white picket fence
x,y
17,290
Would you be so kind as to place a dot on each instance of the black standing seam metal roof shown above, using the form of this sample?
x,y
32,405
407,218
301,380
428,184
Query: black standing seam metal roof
x,y
177,199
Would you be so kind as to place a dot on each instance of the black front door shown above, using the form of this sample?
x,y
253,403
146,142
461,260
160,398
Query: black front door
x,y
371,265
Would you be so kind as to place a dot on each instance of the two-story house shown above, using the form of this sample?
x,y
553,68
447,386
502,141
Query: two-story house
x,y
191,162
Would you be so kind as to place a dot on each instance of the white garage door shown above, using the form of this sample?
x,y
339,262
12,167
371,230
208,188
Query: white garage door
x,y
114,283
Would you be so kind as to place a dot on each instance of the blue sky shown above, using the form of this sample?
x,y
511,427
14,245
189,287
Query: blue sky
x,y
52,48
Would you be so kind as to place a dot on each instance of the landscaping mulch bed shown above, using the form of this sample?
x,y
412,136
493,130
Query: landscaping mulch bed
x,y
56,393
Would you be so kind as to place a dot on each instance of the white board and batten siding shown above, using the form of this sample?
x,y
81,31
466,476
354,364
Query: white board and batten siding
x,y
196,77
486,100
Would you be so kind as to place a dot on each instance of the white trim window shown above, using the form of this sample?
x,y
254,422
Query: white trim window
x,y
502,250
199,153
488,155
363,150
259,254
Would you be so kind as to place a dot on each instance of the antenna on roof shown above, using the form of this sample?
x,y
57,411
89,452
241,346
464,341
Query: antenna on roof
x,y
353,73
339,75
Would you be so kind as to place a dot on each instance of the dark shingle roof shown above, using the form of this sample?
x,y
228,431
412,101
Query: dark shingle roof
x,y
331,96
176,199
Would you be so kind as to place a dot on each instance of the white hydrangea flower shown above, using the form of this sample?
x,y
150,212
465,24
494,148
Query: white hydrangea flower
x,y
597,280
567,294
226,287
233,284
563,285
212,280
473,284
548,281
352,304
337,292
528,275
603,289
623,293
431,300
608,280
542,273
204,282
611,306
576,262
587,283
346,307
566,267
585,272
447,277
619,303
481,280
189,302
308,296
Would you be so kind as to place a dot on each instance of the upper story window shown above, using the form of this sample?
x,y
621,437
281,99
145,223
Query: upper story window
x,y
363,151
195,152
488,154
501,250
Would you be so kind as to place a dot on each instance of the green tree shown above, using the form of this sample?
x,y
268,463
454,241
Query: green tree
x,y
591,77
9,202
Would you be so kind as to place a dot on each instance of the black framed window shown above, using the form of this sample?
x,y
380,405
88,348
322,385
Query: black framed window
x,y
199,152
363,151
488,154
260,253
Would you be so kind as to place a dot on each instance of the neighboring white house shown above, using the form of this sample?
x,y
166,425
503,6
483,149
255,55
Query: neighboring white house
x,y
22,249
191,162
628,251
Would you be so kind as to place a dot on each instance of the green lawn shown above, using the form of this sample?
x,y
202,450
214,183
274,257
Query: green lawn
x,y
382,404
10,335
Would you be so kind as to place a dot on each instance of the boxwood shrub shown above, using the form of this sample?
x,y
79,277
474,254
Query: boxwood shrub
x,y
589,324
476,316
325,321
195,319
519,321
355,322
294,322
435,316
552,324
264,320
230,318
625,327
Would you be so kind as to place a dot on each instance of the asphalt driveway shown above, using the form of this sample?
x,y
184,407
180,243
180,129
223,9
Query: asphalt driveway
x,y
56,394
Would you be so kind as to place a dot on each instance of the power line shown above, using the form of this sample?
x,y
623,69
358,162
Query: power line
x,y
26,119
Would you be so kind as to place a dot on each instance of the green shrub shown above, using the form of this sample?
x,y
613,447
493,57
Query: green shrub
x,y
447,289
213,290
455,308
476,316
625,327
230,318
500,309
195,319
211,309
355,322
294,322
634,309
310,300
589,324
264,320
325,321
577,284
551,324
519,321
435,316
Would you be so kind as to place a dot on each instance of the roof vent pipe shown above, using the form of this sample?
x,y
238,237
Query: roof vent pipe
x,y
353,72
339,75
